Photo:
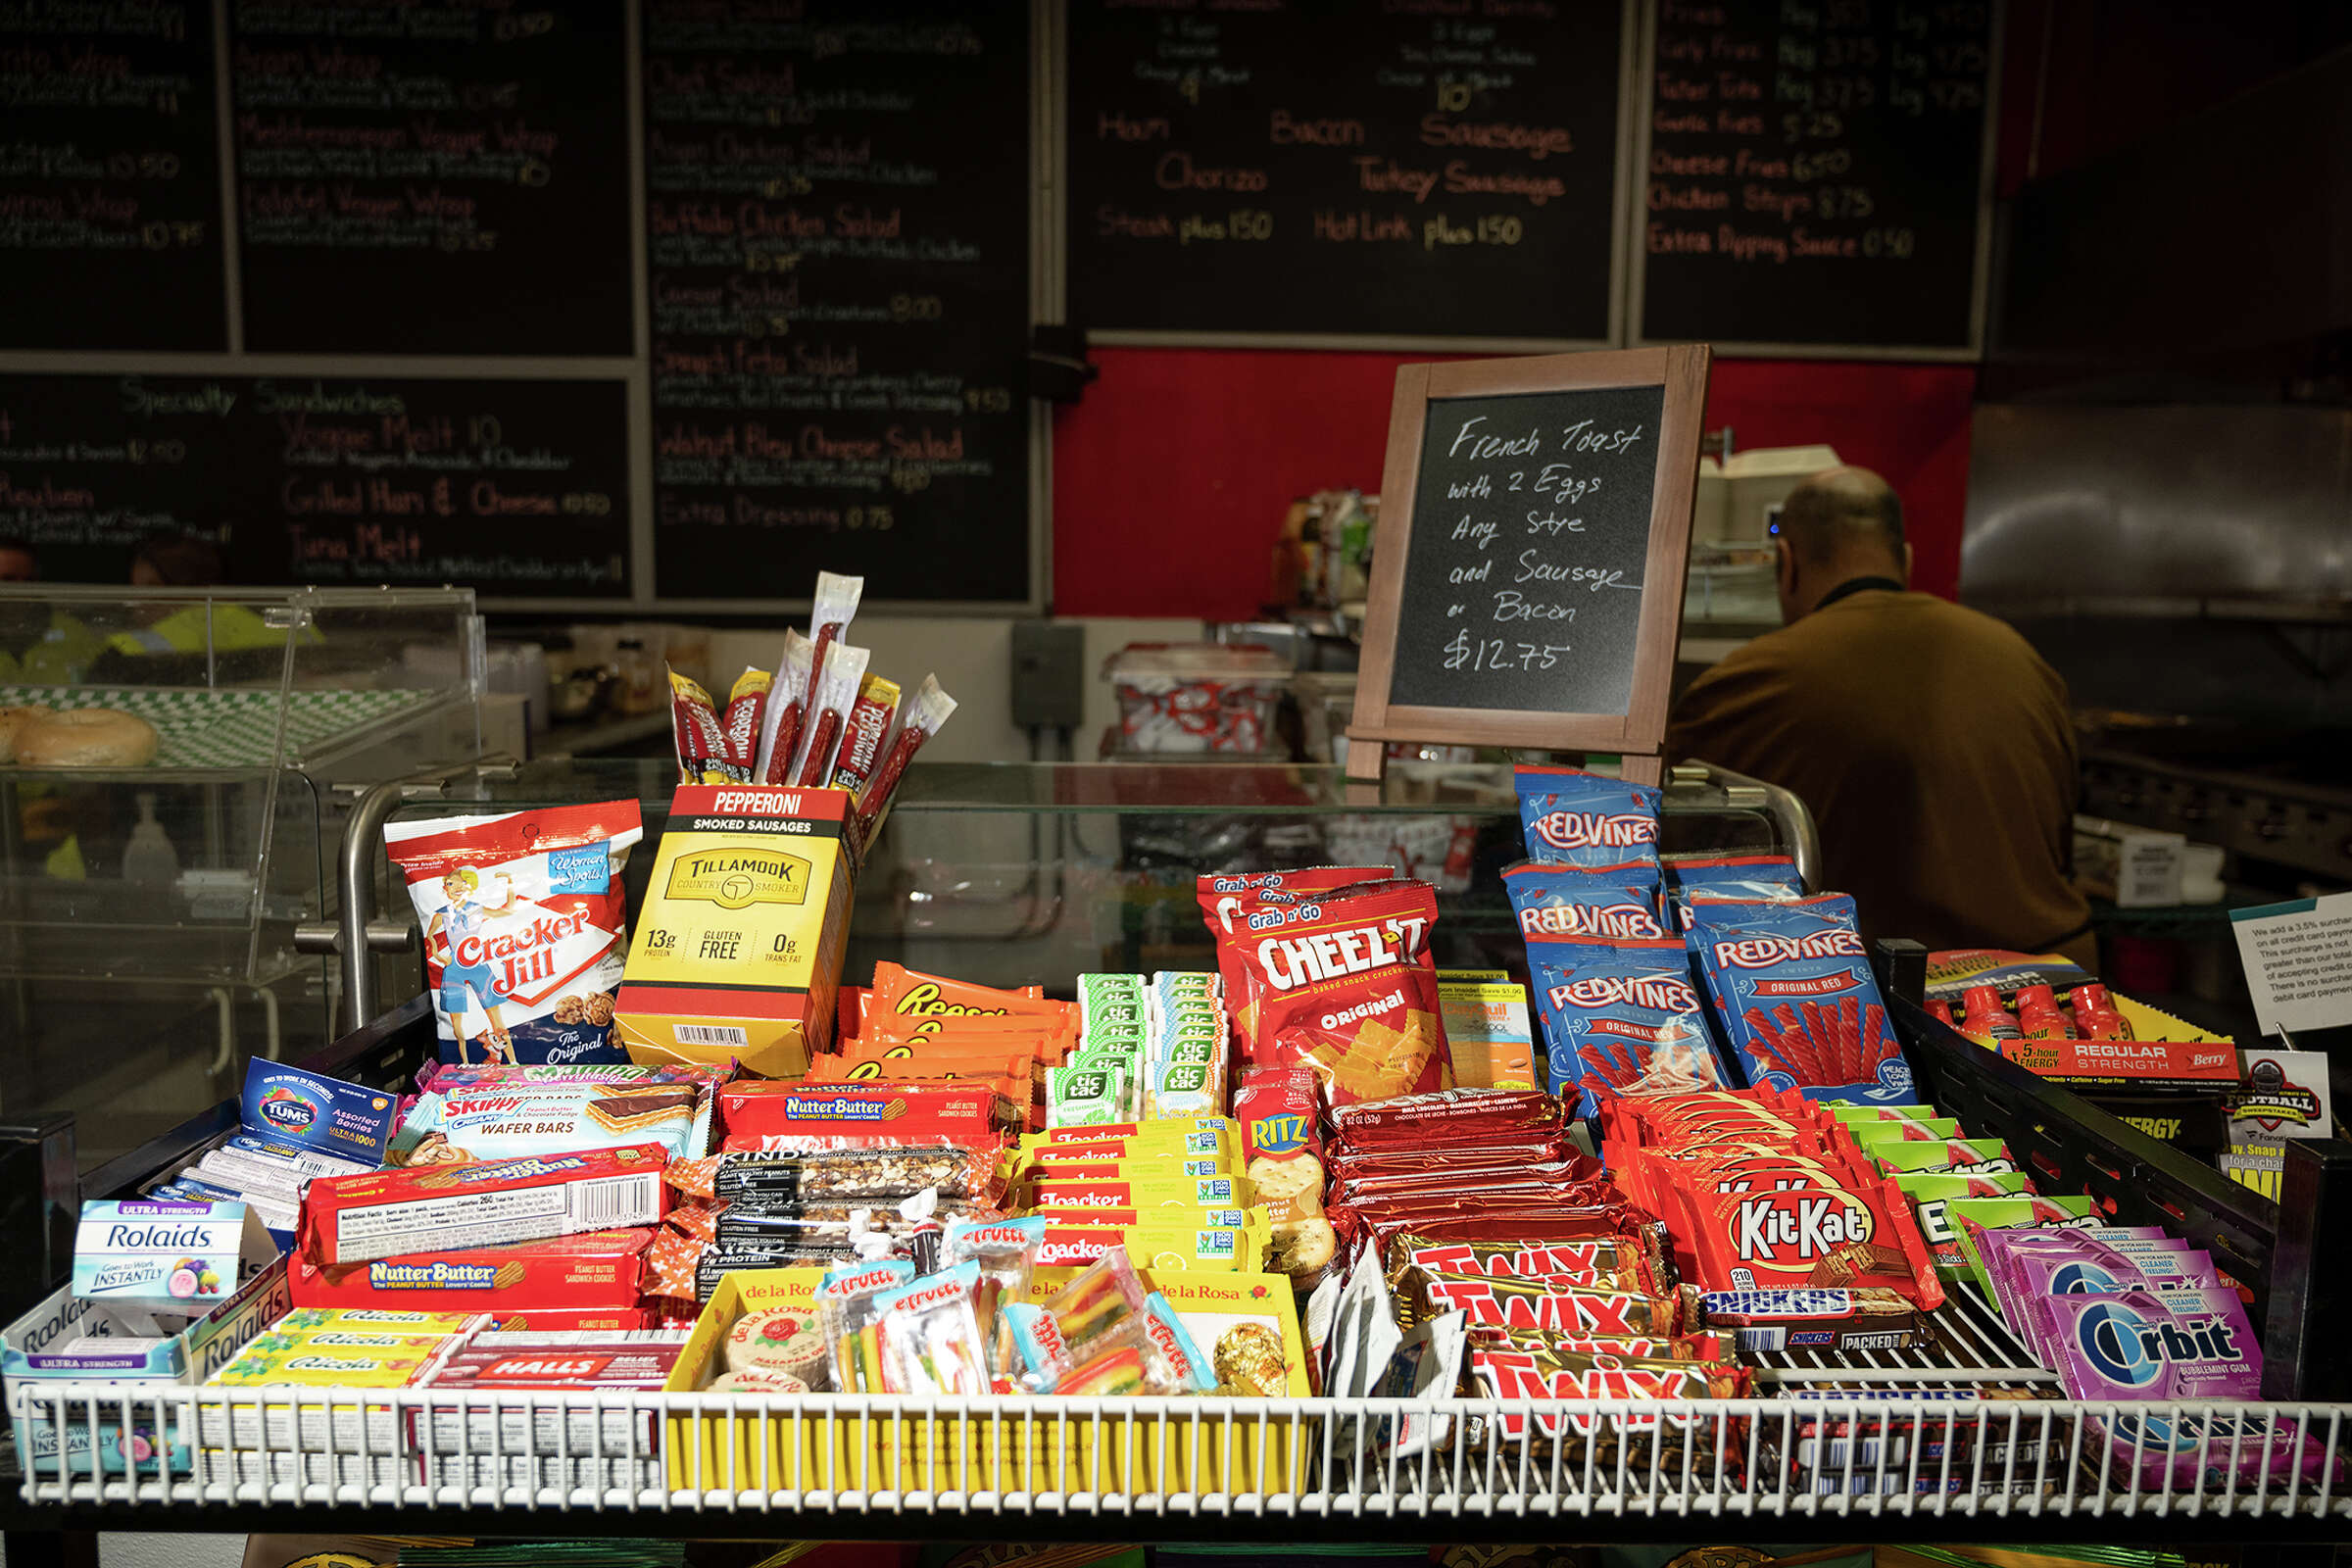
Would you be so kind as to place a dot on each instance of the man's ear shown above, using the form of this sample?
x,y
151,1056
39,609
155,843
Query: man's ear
x,y
1906,563
1783,565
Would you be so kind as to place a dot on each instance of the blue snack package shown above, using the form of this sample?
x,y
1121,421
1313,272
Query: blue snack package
x,y
1740,868
1572,817
314,1113
1561,901
1793,991
1620,1018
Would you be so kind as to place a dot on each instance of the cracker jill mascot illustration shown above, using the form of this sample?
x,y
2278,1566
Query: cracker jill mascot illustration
x,y
468,917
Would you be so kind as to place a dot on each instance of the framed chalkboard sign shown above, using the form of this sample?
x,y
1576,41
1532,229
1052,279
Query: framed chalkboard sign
x,y
1527,581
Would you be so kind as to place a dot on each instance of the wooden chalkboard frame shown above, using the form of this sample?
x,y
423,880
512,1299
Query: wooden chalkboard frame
x,y
1639,731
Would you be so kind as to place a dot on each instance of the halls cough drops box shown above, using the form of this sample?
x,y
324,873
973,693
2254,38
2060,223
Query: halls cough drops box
x,y
737,952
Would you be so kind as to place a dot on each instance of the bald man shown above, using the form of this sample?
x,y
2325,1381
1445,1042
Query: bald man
x,y
1936,749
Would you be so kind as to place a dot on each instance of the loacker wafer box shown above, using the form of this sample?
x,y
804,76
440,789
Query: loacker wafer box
x,y
737,952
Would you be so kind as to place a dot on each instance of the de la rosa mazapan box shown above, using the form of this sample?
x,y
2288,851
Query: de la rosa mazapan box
x,y
737,952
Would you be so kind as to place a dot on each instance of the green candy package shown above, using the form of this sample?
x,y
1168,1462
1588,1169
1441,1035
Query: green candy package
x,y
1930,1190
1971,1217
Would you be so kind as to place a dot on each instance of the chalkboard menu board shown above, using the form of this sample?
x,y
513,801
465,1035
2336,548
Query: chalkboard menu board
x,y
837,230
109,177
1527,584
443,178
1526,568
1326,166
1815,173
517,488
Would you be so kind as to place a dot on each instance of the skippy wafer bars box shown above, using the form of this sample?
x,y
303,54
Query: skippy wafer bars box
x,y
737,954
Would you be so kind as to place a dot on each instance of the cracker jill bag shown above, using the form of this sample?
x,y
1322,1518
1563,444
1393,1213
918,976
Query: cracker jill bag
x,y
522,915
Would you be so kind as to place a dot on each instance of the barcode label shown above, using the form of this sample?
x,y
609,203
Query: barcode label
x,y
711,1034
619,1199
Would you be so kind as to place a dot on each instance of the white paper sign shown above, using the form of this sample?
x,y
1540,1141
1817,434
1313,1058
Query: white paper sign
x,y
2298,959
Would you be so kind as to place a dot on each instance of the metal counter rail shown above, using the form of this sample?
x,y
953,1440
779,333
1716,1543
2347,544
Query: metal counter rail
x,y
845,1463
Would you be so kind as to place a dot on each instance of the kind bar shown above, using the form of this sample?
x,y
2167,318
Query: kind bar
x,y
352,1219
1822,1320
603,1271
843,1175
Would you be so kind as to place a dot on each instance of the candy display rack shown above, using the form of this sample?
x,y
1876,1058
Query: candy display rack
x,y
1944,1448
149,914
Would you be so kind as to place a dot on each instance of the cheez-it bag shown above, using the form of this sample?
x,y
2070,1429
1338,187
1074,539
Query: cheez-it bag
x,y
1344,985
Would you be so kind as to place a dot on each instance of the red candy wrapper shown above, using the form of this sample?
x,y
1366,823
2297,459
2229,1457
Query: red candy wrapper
x,y
1422,1121
929,709
864,736
747,704
701,740
1809,1239
1345,985
829,616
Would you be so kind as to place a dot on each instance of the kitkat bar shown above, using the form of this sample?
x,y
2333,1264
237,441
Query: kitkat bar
x,y
389,1213
810,1117
601,1272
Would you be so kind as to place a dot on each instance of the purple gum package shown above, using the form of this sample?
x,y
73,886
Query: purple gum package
x,y
2179,1347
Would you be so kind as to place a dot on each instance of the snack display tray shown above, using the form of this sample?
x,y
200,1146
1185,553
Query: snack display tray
x,y
999,1462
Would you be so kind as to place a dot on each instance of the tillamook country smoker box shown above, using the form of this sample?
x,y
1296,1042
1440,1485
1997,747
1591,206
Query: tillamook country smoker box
x,y
737,954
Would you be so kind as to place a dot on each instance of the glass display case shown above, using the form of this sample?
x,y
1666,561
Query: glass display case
x,y
1033,873
148,909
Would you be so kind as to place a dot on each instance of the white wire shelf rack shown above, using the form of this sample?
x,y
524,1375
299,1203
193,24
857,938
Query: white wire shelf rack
x,y
1844,1452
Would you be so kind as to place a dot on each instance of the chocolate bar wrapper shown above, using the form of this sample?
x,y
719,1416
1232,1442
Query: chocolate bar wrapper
x,y
1601,1263
1648,1450
783,1177
1555,1307
356,1219
1816,1320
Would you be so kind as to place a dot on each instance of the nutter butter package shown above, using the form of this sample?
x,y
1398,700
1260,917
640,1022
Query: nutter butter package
x,y
737,952
347,1220
603,1271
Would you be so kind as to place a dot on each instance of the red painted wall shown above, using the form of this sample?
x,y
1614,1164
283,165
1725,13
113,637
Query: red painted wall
x,y
1171,480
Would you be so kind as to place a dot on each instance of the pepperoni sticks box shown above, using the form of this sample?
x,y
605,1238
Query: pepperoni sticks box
x,y
737,952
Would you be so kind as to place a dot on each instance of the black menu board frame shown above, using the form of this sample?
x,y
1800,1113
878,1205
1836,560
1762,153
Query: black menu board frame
x,y
1069,220
1731,343
1424,393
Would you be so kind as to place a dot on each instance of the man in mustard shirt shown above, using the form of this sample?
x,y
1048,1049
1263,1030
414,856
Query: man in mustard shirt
x,y
1934,747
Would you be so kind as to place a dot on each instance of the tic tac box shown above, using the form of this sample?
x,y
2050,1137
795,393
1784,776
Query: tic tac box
x,y
737,952
172,1257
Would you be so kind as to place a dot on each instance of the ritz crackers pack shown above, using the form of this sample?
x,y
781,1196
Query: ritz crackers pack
x,y
737,954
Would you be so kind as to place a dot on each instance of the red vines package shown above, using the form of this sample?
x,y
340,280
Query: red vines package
x,y
1618,901
1792,989
1345,985
522,914
1620,1018
1572,817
